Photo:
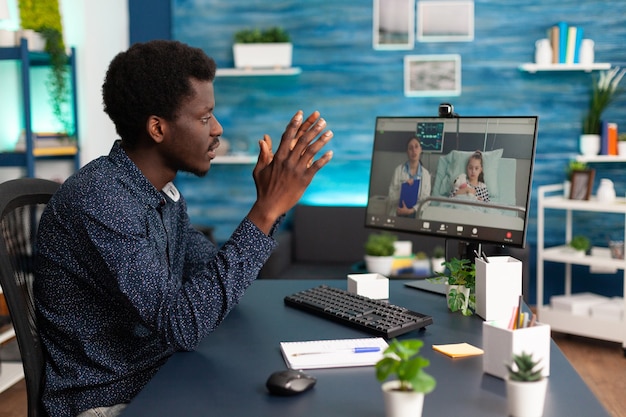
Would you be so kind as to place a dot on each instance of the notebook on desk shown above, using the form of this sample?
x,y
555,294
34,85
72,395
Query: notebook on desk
x,y
426,285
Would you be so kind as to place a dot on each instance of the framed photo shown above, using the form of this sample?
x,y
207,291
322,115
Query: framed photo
x,y
581,184
445,21
432,75
394,24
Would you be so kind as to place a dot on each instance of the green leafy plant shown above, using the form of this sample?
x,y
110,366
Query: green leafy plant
x,y
421,255
439,252
459,272
380,244
580,242
524,368
574,165
271,35
44,17
604,90
402,360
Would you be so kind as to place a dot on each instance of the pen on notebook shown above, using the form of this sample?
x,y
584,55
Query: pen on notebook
x,y
365,349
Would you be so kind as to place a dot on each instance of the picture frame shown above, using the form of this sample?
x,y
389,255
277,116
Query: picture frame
x,y
445,21
432,75
581,183
393,24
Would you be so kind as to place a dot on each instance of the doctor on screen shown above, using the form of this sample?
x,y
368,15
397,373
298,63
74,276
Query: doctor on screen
x,y
410,182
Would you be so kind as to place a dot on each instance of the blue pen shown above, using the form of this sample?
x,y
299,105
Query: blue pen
x,y
353,350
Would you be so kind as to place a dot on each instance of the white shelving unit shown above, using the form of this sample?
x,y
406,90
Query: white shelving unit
x,y
551,197
601,158
530,67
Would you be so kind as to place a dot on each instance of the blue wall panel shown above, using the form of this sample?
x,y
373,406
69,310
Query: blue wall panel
x,y
351,83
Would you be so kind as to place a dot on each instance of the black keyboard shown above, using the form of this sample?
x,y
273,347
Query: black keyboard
x,y
373,316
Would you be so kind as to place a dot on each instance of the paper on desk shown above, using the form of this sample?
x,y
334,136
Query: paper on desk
x,y
458,350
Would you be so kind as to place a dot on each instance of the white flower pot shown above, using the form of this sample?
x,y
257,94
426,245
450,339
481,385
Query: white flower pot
x,y
461,289
526,399
401,403
437,265
589,145
263,55
379,264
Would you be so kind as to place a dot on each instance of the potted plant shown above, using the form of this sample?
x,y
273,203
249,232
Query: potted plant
x,y
573,165
404,395
44,18
621,144
379,250
525,387
460,280
269,48
604,90
439,257
580,244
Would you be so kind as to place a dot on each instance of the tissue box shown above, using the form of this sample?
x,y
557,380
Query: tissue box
x,y
374,286
500,343
498,286
610,310
578,304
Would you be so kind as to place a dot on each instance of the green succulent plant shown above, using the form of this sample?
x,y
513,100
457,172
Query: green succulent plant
x,y
524,368
380,244
402,360
271,35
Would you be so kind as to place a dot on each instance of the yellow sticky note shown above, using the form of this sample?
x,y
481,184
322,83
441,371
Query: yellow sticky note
x,y
458,350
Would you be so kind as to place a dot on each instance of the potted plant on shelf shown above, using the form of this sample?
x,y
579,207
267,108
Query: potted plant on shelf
x,y
525,387
44,18
269,48
379,250
604,90
573,165
404,395
580,244
421,264
439,257
460,281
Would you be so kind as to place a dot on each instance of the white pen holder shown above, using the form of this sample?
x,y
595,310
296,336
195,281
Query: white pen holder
x,y
500,344
498,286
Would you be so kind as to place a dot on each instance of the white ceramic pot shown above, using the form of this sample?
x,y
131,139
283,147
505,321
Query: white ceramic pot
x,y
543,52
621,148
526,399
401,403
379,264
437,265
461,289
587,52
589,144
263,55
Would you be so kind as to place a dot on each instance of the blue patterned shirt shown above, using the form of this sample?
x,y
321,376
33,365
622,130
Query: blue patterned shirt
x,y
123,281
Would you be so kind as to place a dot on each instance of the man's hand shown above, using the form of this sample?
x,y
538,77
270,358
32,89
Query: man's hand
x,y
282,178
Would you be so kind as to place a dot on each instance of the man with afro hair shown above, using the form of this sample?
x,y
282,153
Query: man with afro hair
x,y
122,278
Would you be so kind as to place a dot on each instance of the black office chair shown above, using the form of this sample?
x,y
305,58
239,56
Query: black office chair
x,y
21,204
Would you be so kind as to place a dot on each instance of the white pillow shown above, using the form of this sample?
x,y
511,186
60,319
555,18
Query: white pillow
x,y
455,163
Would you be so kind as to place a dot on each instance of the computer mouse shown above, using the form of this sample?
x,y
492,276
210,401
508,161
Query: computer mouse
x,y
289,382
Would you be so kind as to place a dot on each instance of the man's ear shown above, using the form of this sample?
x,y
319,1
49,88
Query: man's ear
x,y
155,127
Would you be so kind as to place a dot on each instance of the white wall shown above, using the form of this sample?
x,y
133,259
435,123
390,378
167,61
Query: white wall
x,y
99,31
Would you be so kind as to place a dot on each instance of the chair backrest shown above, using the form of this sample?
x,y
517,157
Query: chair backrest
x,y
21,204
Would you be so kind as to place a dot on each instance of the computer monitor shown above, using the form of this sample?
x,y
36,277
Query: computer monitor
x,y
471,214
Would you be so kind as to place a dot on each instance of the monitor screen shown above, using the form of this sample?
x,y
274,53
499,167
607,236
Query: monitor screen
x,y
463,178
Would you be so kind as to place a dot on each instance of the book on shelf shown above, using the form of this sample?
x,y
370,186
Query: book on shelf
x,y
608,138
565,40
49,144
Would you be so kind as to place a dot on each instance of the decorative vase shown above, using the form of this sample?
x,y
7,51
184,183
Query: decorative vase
x,y
401,403
589,144
452,293
606,191
543,52
621,148
526,399
586,52
379,264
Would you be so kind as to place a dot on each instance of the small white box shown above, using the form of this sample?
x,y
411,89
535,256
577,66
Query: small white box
x,y
610,310
500,344
403,248
498,286
374,286
578,304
